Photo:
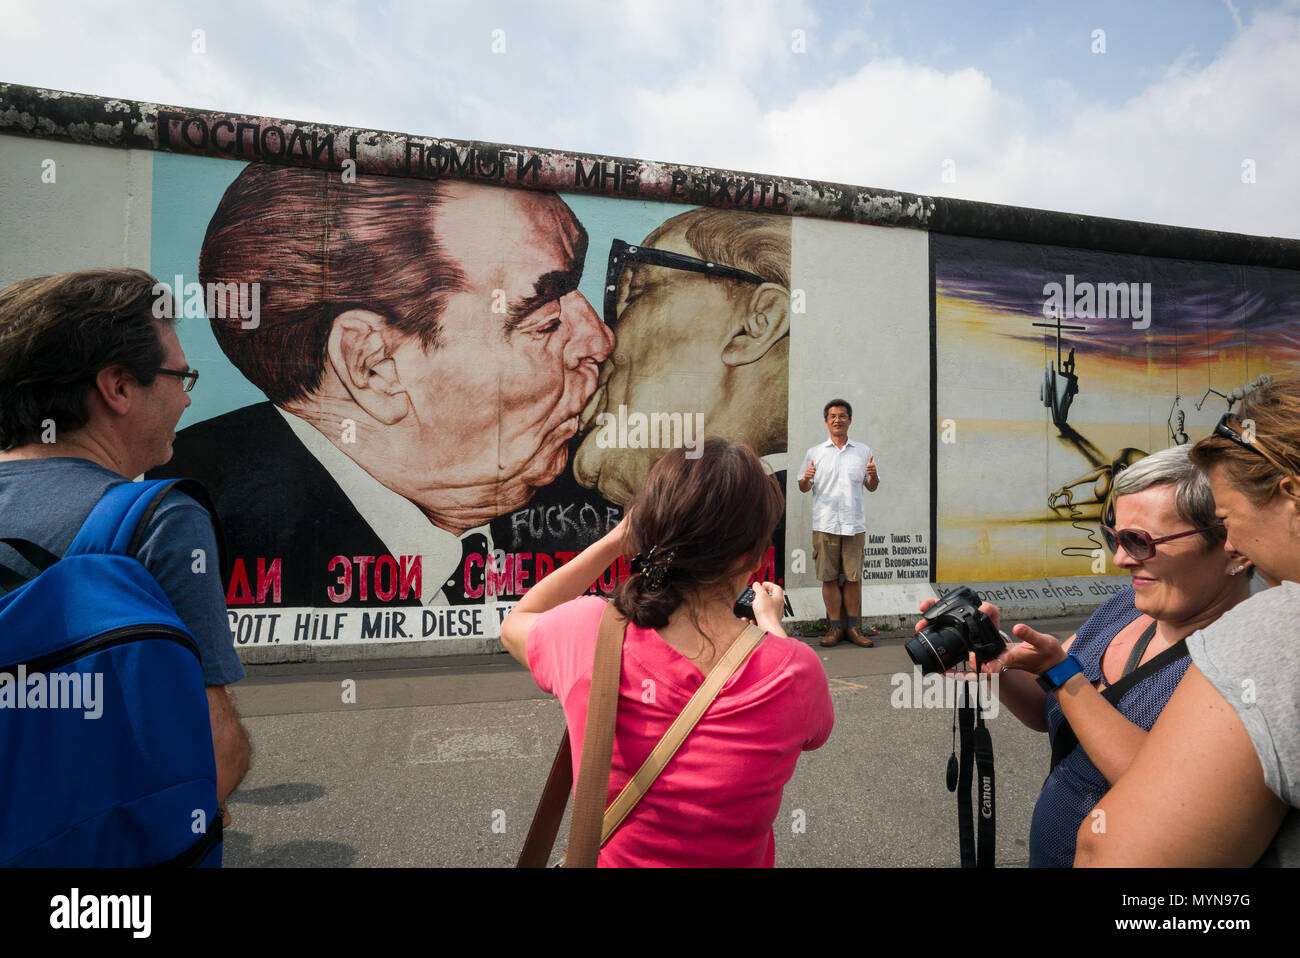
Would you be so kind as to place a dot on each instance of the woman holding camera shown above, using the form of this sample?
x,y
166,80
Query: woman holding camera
x,y
1217,782
1166,536
700,527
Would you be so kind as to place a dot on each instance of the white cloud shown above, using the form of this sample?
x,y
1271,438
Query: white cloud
x,y
1236,14
1172,153
717,85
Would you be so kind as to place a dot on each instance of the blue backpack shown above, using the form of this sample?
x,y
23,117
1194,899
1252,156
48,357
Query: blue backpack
x,y
105,743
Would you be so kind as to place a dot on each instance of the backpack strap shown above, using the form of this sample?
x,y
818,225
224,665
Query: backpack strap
x,y
1067,741
117,524
35,555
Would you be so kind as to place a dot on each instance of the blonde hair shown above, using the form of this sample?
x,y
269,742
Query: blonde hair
x,y
1269,418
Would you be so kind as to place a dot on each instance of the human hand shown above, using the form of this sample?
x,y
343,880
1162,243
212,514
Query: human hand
x,y
871,466
810,471
1036,652
769,603
988,608
620,532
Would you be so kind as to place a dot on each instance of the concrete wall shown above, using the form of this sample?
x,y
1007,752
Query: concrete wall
x,y
393,497
66,206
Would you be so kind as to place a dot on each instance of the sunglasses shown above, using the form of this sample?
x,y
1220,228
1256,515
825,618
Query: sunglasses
x,y
188,377
620,254
1227,432
1138,542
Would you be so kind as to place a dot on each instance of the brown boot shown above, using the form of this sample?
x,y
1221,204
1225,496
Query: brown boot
x,y
857,638
833,636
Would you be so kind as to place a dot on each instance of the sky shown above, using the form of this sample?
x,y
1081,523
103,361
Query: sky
x,y
1185,113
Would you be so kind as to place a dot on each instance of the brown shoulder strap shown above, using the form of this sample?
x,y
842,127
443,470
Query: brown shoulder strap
x,y
550,809
592,823
597,743
681,727
555,796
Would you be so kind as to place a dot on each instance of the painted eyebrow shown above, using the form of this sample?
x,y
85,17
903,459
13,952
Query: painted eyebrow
x,y
548,288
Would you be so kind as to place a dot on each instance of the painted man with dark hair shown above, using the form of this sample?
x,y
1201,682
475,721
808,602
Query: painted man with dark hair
x,y
425,353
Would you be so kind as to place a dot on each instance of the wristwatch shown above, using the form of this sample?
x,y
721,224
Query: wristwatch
x,y
1059,674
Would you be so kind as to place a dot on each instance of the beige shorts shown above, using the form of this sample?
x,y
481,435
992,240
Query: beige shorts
x,y
835,554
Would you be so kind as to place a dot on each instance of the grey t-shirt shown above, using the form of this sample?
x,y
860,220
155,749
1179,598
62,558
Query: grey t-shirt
x,y
1252,657
46,501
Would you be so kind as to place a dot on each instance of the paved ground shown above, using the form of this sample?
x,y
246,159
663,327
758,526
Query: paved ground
x,y
440,763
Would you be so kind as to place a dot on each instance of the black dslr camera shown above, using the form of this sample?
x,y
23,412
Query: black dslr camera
x,y
957,628
744,608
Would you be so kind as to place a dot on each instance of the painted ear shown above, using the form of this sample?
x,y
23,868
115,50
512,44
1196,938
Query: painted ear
x,y
765,322
362,359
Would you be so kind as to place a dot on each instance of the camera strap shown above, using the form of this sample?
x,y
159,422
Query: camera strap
x,y
1066,741
976,757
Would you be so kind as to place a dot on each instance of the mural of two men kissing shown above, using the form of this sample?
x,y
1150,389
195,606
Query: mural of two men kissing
x,y
446,413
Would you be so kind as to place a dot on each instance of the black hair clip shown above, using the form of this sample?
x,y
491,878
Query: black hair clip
x,y
652,567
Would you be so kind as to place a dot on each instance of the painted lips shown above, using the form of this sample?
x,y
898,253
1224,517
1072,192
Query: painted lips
x,y
593,408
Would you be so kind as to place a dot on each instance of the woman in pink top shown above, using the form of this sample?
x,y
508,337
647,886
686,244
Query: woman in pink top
x,y
708,520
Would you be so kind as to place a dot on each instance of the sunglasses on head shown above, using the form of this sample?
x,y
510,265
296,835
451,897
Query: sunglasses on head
x,y
1247,441
1138,542
1227,432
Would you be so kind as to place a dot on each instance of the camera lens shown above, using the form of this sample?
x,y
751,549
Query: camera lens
x,y
937,650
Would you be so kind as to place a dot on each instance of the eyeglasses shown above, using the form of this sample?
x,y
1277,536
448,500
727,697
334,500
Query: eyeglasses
x,y
620,254
188,377
1139,544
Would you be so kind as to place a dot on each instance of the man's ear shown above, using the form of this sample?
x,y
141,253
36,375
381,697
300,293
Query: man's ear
x,y
766,321
359,352
113,386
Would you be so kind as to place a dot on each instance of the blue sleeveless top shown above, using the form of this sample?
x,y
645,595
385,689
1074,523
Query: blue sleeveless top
x,y
1075,786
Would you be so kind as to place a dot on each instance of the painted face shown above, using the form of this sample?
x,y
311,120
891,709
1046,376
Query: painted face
x,y
497,400
672,326
1265,535
165,400
1185,576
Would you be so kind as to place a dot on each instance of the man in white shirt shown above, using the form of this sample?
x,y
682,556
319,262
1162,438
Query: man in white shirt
x,y
836,472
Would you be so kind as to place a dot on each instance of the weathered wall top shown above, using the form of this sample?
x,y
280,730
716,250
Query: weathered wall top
x,y
130,124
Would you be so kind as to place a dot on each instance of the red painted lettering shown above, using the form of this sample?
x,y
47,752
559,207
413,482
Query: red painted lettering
x,y
345,580
410,583
389,563
238,592
470,591
268,580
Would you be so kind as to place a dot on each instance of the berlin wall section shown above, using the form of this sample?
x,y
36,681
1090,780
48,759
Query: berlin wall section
x,y
1003,364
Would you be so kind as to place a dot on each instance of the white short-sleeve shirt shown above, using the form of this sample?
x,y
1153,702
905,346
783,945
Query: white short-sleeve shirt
x,y
837,487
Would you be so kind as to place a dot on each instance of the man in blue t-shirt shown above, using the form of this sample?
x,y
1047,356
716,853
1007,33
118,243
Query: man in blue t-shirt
x,y
92,385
